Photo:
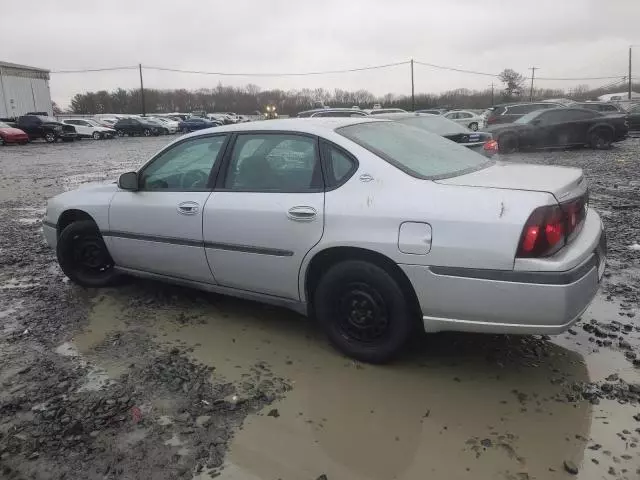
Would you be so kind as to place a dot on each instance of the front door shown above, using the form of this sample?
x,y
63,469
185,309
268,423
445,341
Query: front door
x,y
158,228
266,213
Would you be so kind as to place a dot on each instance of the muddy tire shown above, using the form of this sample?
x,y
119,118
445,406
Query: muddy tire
x,y
507,143
363,311
601,139
83,255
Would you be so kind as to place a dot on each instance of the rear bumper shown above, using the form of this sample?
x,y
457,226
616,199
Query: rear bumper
x,y
506,302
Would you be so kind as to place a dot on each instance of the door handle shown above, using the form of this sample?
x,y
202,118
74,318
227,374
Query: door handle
x,y
302,213
188,208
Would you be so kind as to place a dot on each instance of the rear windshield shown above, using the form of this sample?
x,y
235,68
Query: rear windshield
x,y
435,124
415,151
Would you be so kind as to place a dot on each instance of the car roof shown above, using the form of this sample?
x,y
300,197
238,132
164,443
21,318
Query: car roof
x,y
311,125
337,109
403,115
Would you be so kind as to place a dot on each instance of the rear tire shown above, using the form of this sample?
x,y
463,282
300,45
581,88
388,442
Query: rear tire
x,y
50,137
96,136
120,133
363,311
507,143
146,132
474,126
601,139
83,255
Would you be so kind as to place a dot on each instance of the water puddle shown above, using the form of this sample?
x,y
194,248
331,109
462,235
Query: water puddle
x,y
96,378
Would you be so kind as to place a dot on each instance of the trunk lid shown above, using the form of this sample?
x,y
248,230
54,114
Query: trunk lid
x,y
563,183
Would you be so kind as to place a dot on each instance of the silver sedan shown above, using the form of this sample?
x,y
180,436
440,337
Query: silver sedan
x,y
371,226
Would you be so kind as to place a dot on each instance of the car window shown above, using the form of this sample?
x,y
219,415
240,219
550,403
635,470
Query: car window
x,y
608,108
274,163
435,124
464,115
452,116
339,165
566,115
417,152
517,109
185,167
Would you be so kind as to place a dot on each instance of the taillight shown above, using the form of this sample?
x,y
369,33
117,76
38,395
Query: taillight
x,y
491,147
551,227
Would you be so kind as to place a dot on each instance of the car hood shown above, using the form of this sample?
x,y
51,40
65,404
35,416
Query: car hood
x,y
11,131
561,182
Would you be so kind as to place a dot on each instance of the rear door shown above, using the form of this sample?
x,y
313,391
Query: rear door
x,y
158,228
266,212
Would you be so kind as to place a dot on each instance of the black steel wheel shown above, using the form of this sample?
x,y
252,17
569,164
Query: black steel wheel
x,y
364,311
601,139
83,255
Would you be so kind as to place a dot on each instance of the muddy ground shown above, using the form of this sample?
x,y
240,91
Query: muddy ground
x,y
149,381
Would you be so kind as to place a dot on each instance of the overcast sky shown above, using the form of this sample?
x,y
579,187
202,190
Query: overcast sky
x,y
564,38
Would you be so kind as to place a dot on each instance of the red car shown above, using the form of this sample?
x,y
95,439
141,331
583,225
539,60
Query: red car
x,y
9,134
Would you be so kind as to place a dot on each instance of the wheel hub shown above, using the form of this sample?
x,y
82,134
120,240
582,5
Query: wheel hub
x,y
91,254
362,314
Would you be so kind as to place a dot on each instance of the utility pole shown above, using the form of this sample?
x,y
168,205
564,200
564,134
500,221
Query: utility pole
x,y
630,46
141,90
492,97
413,93
533,75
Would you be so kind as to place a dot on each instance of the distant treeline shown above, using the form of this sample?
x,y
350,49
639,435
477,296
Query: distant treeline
x,y
250,98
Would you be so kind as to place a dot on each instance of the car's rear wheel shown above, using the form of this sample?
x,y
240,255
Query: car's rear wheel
x,y
473,126
363,311
49,137
120,133
601,139
83,255
507,143
96,136
146,132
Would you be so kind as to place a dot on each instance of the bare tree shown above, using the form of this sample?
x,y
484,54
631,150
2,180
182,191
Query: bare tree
x,y
513,83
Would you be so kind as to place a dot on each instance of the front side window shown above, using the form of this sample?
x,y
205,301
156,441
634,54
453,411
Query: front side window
x,y
185,167
274,163
415,151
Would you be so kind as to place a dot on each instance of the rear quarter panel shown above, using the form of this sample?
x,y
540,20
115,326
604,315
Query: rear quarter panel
x,y
471,227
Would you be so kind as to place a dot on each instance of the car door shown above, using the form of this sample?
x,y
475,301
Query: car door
x,y
158,228
83,128
266,212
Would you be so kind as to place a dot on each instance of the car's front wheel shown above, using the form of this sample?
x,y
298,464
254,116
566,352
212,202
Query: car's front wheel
x,y
473,126
83,255
363,311
601,139
96,136
120,133
146,132
49,137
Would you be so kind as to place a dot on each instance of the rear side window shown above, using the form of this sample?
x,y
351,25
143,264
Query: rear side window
x,y
339,165
417,152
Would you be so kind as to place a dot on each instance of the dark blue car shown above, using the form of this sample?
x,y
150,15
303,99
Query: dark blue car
x,y
195,123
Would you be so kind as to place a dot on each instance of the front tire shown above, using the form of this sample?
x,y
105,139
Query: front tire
x,y
473,126
96,136
601,139
83,255
146,132
507,143
363,311
49,137
120,133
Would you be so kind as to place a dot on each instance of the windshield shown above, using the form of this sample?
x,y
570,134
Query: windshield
x,y
417,152
529,116
435,124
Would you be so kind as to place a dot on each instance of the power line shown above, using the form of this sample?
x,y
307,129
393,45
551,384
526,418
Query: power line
x,y
95,69
453,69
281,74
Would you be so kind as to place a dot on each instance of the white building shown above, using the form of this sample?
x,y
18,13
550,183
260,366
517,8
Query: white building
x,y
23,89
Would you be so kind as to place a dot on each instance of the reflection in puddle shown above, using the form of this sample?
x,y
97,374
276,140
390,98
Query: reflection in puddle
x,y
457,405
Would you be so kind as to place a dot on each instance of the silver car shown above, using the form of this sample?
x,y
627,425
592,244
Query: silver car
x,y
371,226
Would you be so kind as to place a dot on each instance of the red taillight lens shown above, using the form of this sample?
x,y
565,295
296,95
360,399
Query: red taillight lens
x,y
491,147
551,227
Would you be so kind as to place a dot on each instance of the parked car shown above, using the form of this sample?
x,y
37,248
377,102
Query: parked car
x,y
333,112
466,118
87,128
433,111
136,126
9,134
170,124
195,123
633,117
561,127
602,107
380,111
510,112
481,142
307,214
47,128
107,122
162,128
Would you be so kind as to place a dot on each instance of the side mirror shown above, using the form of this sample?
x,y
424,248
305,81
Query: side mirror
x,y
128,181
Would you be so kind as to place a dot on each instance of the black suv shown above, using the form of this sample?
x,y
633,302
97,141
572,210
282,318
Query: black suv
x,y
47,128
601,107
136,126
510,112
